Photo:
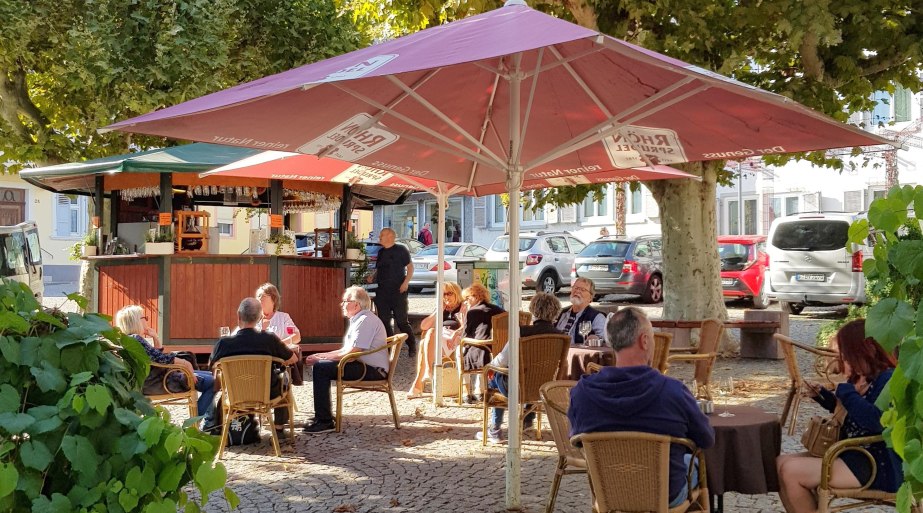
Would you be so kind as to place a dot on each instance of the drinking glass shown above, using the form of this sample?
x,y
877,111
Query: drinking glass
x,y
585,328
224,331
726,388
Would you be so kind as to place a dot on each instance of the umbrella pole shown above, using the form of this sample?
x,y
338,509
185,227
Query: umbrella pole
x,y
442,198
514,185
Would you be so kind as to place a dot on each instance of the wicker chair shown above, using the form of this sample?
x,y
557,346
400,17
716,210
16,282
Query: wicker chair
x,y
499,336
541,358
863,495
556,396
630,472
245,390
702,356
660,360
386,385
793,401
189,397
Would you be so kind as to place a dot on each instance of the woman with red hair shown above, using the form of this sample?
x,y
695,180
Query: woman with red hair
x,y
868,367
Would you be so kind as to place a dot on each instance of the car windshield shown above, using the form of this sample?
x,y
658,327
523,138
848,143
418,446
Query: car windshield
x,y
811,235
606,248
734,256
503,244
434,250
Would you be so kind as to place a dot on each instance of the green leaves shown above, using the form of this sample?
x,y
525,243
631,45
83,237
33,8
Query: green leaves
x,y
889,321
49,377
80,453
208,478
8,478
35,454
9,399
98,397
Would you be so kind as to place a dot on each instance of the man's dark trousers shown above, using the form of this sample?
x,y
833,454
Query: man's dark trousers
x,y
392,304
325,373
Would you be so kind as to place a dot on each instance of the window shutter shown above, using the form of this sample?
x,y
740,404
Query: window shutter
x,y
62,215
480,212
902,99
552,214
852,201
568,214
881,114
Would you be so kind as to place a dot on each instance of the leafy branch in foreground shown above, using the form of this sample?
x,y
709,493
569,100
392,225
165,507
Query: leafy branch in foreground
x,y
76,434
895,320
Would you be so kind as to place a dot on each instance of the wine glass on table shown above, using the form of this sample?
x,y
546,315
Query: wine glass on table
x,y
726,389
585,328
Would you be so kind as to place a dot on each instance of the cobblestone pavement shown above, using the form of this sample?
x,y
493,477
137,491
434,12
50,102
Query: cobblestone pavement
x,y
434,464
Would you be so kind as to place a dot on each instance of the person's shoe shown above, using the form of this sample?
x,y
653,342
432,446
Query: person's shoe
x,y
493,435
282,434
319,427
473,399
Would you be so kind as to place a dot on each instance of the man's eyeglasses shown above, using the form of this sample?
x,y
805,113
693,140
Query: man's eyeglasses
x,y
580,289
144,318
343,302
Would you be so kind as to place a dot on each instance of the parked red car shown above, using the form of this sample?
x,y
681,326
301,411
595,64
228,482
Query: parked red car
x,y
743,268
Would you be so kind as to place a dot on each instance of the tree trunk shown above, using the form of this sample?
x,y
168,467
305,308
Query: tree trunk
x,y
691,269
620,209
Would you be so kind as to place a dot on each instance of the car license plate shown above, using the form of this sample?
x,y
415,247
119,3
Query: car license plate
x,y
597,268
727,282
420,266
811,277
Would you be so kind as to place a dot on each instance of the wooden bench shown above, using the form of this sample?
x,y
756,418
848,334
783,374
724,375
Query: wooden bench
x,y
756,330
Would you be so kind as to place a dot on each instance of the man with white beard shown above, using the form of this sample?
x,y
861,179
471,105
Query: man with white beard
x,y
580,311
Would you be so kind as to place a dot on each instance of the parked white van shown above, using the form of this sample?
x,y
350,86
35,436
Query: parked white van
x,y
21,256
809,263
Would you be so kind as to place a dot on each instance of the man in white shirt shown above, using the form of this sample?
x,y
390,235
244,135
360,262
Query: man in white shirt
x,y
365,332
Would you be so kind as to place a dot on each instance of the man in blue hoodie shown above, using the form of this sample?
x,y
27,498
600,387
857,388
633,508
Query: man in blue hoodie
x,y
632,396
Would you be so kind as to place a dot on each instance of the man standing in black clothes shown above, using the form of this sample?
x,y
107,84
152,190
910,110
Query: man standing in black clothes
x,y
393,271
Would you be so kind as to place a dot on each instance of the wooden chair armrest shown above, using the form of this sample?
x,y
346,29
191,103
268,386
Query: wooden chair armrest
x,y
483,344
355,356
499,370
691,357
850,444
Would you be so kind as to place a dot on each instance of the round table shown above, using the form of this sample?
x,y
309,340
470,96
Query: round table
x,y
578,357
743,458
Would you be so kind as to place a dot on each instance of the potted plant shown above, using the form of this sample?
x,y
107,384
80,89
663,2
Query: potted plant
x,y
355,250
159,241
88,246
279,243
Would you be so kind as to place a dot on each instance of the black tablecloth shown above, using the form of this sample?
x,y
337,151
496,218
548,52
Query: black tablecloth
x,y
743,458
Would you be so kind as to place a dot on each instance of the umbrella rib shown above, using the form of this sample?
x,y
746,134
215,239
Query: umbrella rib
x,y
374,119
470,155
487,122
564,60
582,83
593,134
439,114
528,113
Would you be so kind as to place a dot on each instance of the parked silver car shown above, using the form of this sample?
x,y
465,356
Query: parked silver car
x,y
425,268
546,258
623,265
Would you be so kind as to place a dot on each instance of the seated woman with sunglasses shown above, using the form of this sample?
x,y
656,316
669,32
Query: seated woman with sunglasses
x,y
132,321
451,306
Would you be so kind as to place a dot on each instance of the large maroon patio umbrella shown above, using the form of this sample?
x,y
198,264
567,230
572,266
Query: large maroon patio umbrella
x,y
506,96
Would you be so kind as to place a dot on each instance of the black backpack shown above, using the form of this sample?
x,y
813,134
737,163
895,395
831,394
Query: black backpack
x,y
421,238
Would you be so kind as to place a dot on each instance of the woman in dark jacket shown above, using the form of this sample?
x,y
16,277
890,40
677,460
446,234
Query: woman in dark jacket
x,y
868,368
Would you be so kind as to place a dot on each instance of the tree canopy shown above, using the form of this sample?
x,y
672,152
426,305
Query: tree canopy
x,y
68,67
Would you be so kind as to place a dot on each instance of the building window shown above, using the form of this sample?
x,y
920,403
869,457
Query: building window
x,y
453,220
402,219
733,217
225,229
70,215
635,201
527,216
592,208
